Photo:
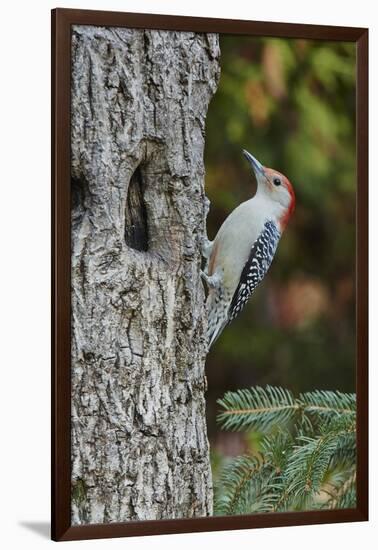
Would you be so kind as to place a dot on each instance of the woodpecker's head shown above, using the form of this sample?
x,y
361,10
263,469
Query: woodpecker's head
x,y
275,186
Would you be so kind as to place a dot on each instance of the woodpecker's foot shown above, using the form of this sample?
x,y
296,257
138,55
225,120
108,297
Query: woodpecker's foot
x,y
212,281
207,206
206,247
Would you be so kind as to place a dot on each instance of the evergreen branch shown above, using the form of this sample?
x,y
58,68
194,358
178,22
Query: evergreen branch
x,y
308,463
309,466
324,406
345,496
257,408
234,484
345,454
341,490
276,449
261,408
311,459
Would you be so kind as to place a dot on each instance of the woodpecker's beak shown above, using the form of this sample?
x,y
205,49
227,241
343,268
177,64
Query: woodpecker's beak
x,y
258,168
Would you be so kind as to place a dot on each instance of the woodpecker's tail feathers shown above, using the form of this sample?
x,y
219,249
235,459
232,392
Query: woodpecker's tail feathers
x,y
212,334
217,309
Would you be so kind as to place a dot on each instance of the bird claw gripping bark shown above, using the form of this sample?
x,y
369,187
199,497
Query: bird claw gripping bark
x,y
207,206
206,244
213,281
206,247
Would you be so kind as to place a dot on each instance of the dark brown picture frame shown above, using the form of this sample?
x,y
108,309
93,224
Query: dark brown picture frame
x,y
62,20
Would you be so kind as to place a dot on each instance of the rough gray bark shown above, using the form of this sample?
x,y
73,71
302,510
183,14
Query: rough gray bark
x,y
139,442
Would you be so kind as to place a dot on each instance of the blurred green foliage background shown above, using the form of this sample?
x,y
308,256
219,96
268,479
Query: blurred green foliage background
x,y
291,103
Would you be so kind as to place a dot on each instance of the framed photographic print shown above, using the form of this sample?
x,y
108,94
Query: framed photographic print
x,y
209,185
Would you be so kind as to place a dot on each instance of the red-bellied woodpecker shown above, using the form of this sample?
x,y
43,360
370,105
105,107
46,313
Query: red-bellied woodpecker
x,y
243,249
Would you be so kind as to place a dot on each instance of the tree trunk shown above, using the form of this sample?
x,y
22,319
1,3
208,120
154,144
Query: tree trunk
x,y
139,441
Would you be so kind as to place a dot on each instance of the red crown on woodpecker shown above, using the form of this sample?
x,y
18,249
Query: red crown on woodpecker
x,y
275,185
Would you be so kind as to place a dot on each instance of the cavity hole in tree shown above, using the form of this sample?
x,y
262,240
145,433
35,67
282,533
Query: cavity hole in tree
x,y
136,226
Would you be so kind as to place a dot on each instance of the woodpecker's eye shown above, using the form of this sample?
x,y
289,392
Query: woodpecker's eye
x,y
277,181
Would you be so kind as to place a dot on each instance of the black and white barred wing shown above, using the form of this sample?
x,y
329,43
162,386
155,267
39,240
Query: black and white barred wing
x,y
258,263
